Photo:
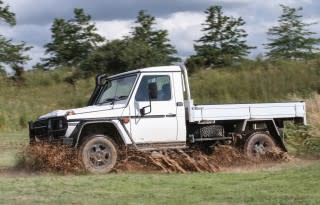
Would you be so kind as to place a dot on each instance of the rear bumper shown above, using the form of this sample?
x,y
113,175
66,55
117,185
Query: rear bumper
x,y
50,130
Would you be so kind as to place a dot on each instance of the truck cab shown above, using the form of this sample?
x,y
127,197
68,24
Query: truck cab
x,y
151,108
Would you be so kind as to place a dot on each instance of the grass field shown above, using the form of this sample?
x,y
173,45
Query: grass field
x,y
10,145
291,185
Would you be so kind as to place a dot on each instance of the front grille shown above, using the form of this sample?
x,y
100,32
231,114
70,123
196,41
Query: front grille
x,y
51,128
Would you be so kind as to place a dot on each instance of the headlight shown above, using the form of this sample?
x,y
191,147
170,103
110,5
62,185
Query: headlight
x,y
60,124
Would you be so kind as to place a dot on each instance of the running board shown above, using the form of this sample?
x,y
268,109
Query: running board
x,y
159,146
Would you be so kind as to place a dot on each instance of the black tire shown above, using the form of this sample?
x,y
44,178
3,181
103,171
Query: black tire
x,y
258,145
98,154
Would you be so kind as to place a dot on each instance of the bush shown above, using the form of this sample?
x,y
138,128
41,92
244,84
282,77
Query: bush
x,y
303,140
256,82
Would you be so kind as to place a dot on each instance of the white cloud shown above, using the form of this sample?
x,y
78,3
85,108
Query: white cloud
x,y
292,3
183,28
115,29
36,53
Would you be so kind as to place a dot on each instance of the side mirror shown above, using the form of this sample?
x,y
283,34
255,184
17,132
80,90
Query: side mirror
x,y
153,91
143,111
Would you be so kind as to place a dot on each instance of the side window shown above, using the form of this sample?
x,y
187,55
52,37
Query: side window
x,y
163,87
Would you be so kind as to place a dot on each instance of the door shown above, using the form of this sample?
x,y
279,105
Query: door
x,y
159,124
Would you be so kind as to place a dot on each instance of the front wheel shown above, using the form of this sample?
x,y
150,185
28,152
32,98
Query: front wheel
x,y
258,145
98,154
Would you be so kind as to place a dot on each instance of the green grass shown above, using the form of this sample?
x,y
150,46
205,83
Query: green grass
x,y
40,93
257,82
295,185
10,145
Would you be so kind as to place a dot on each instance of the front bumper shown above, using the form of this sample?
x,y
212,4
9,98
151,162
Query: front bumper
x,y
49,130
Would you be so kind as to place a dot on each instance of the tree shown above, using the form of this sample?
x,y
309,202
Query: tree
x,y
291,39
119,56
223,42
10,54
6,14
145,47
72,40
157,40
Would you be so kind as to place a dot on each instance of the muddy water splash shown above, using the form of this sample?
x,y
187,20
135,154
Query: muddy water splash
x,y
62,159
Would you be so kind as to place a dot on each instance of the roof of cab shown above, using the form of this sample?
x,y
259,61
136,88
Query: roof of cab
x,y
172,68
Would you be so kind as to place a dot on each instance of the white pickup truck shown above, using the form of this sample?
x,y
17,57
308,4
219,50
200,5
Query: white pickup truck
x,y
151,108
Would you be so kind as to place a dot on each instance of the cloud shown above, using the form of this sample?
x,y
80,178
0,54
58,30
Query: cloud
x,y
115,29
30,33
183,28
44,11
36,53
181,18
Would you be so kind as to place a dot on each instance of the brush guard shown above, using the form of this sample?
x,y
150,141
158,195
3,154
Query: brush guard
x,y
49,130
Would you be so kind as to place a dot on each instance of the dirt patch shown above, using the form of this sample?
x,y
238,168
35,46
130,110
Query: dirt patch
x,y
62,159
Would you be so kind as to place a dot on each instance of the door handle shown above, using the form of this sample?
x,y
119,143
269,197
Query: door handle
x,y
179,104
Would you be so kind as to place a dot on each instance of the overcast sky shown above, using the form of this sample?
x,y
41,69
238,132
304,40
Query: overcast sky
x,y
182,18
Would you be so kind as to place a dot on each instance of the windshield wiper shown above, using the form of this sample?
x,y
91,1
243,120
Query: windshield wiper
x,y
108,100
122,97
112,100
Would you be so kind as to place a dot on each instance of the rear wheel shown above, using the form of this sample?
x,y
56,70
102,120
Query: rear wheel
x,y
98,154
259,145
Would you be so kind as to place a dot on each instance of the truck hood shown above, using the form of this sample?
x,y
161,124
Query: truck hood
x,y
82,110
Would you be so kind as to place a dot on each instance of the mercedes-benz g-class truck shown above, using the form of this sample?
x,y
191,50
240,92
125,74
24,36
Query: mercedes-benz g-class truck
x,y
152,108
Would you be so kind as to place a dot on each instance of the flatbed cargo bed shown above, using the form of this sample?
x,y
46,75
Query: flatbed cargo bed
x,y
248,111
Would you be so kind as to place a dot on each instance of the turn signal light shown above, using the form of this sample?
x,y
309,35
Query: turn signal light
x,y
70,113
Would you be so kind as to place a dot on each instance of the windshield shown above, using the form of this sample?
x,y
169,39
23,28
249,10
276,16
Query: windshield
x,y
117,89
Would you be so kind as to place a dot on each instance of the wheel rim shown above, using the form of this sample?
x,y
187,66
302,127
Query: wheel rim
x,y
99,156
260,148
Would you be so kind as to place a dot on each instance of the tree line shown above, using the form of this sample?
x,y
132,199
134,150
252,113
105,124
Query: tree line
x,y
75,43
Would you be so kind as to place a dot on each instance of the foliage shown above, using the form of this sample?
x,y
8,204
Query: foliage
x,y
223,42
146,47
157,40
106,59
291,39
302,140
305,141
72,40
253,81
6,14
118,56
10,54
19,73
41,92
